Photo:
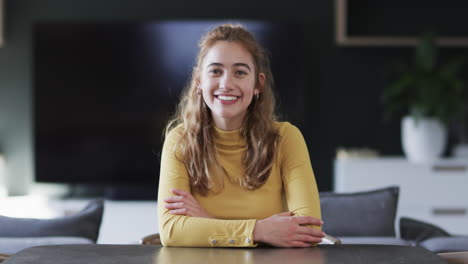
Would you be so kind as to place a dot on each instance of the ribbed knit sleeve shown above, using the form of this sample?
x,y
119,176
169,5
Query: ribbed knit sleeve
x,y
299,183
187,231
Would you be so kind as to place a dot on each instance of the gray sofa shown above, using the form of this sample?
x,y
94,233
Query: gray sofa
x,y
80,228
370,218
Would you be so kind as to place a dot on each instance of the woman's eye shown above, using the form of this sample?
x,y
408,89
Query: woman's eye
x,y
215,71
241,72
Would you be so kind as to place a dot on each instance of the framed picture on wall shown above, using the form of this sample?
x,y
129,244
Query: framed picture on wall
x,y
399,22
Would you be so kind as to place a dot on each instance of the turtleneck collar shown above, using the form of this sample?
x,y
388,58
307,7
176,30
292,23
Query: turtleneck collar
x,y
229,138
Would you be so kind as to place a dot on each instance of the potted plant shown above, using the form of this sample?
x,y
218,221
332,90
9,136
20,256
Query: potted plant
x,y
432,95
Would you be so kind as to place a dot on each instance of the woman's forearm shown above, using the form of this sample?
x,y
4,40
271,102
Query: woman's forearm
x,y
187,231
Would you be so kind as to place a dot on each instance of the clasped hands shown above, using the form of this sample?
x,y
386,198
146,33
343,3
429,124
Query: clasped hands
x,y
281,230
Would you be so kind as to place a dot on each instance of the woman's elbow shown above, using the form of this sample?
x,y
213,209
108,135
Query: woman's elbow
x,y
167,239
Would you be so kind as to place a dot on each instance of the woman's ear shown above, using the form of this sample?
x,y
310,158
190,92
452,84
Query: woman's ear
x,y
261,82
197,81
261,79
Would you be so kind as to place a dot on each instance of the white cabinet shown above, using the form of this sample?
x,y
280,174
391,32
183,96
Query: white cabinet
x,y
436,193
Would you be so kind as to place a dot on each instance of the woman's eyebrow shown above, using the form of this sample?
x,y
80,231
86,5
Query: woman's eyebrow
x,y
237,64
242,64
215,64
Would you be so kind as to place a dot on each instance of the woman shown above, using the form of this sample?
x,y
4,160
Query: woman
x,y
230,175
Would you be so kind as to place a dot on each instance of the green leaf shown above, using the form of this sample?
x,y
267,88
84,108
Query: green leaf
x,y
426,52
452,68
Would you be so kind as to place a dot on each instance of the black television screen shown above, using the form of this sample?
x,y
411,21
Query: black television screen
x,y
103,93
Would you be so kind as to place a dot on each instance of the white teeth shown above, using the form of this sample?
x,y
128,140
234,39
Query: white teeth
x,y
227,98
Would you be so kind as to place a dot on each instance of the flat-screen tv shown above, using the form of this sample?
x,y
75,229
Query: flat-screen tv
x,y
104,91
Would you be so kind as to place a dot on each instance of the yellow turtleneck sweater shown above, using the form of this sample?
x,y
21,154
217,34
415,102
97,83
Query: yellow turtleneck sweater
x,y
290,187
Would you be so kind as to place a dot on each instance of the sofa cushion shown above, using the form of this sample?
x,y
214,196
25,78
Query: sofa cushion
x,y
412,229
84,224
446,244
365,214
376,241
11,245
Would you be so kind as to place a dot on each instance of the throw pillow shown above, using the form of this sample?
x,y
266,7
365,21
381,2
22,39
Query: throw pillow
x,y
85,223
412,229
370,213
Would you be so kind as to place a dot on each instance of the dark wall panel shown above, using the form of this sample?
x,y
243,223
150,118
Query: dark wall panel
x,y
342,98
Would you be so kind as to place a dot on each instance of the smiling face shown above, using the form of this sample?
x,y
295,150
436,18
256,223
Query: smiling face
x,y
227,80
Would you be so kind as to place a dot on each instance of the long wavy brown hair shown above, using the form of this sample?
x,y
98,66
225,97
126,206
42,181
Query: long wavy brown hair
x,y
196,147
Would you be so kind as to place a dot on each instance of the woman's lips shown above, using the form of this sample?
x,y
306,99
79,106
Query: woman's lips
x,y
227,99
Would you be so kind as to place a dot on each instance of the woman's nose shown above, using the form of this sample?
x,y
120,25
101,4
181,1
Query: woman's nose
x,y
226,82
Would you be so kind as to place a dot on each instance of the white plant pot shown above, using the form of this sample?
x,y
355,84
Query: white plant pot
x,y
423,141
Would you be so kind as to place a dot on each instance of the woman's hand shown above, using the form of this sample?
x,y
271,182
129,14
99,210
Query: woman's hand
x,y
184,204
285,230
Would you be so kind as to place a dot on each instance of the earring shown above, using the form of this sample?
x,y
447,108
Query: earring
x,y
198,91
257,96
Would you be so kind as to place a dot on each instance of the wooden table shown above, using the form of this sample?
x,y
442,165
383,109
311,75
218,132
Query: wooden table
x,y
116,254
455,257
